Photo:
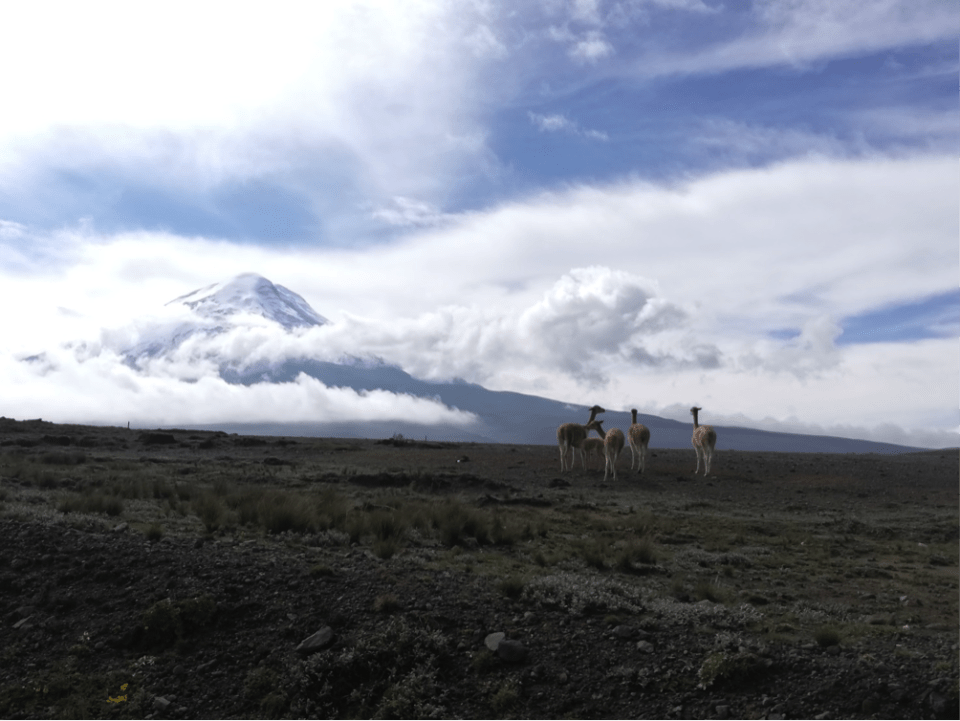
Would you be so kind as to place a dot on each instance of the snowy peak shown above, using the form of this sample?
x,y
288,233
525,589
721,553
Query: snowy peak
x,y
252,293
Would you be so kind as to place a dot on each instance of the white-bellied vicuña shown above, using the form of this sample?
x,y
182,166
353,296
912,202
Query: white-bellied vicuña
x,y
592,447
704,442
570,436
639,437
612,445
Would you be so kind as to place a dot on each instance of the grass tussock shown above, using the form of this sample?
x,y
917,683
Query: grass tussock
x,y
636,553
511,586
92,502
826,636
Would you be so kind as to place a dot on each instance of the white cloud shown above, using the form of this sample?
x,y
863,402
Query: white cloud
x,y
490,296
389,93
552,123
559,123
407,212
803,32
95,386
591,48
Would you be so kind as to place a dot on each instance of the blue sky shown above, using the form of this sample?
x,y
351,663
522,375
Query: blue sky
x,y
747,206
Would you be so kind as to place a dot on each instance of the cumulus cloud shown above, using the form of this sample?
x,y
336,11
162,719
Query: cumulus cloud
x,y
810,352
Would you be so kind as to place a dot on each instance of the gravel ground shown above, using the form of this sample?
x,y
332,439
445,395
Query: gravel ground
x,y
101,619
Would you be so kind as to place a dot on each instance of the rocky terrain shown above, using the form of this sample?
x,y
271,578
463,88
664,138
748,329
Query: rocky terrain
x,y
186,574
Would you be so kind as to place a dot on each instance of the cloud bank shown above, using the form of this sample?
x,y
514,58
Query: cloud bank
x,y
727,291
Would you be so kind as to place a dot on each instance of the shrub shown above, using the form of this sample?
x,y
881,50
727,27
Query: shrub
x,y
502,534
706,591
393,673
281,512
594,554
386,525
262,687
331,510
827,636
169,621
636,552
457,523
386,548
511,586
386,603
504,699
724,668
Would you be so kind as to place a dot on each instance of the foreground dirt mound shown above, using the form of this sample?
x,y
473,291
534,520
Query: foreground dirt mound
x,y
119,615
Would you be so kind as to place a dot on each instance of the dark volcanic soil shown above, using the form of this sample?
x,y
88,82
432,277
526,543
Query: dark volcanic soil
x,y
807,586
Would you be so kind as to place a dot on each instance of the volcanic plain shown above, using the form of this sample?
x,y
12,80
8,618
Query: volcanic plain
x,y
189,574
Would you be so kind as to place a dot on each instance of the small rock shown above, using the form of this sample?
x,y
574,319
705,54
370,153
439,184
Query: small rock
x,y
160,703
493,640
321,639
623,632
121,527
644,646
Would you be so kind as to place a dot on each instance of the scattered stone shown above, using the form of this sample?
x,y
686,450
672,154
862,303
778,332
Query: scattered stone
x,y
493,640
320,640
625,632
160,703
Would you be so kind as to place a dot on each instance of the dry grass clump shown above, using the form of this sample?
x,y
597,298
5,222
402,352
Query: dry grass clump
x,y
210,510
386,603
511,586
706,591
456,523
826,636
396,672
91,502
636,552
63,458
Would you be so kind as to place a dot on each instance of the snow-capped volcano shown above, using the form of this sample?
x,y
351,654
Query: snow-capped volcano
x,y
210,312
252,293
